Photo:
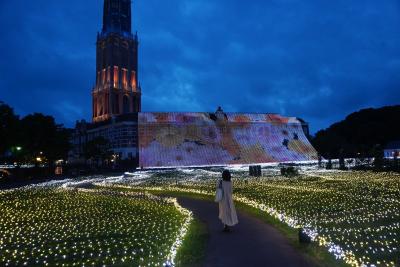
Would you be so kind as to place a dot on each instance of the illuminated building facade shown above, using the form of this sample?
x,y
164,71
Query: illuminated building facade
x,y
218,139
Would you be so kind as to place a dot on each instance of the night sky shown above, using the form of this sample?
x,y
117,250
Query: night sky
x,y
319,60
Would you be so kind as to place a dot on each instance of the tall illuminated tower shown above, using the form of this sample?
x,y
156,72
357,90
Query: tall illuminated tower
x,y
117,90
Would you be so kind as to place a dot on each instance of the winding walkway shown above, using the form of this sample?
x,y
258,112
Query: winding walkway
x,y
251,243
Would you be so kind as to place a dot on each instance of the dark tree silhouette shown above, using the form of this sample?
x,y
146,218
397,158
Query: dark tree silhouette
x,y
8,128
35,135
97,149
359,133
42,136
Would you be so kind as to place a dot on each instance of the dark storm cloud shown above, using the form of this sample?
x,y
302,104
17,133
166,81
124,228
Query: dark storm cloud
x,y
314,59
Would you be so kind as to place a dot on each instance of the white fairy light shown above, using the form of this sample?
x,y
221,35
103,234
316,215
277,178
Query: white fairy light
x,y
355,215
40,222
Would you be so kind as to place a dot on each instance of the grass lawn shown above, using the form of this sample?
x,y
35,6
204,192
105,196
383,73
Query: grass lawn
x,y
193,249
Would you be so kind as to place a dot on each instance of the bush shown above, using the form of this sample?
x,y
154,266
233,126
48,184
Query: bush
x,y
289,171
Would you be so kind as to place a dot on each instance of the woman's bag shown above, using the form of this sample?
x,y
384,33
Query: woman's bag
x,y
219,194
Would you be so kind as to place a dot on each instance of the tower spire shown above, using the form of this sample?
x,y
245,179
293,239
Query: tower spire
x,y
117,16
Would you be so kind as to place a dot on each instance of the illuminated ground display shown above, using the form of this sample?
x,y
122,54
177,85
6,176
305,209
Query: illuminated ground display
x,y
202,139
60,227
354,215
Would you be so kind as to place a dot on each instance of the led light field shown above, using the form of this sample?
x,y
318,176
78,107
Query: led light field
x,y
355,215
59,227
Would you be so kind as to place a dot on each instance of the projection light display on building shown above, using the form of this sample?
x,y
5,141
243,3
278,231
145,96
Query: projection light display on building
x,y
204,139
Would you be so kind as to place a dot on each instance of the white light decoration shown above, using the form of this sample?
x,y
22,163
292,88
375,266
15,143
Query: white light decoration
x,y
355,215
57,226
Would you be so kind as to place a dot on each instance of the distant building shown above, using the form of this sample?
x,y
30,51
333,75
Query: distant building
x,y
392,149
120,131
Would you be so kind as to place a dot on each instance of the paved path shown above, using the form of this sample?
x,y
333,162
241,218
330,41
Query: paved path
x,y
251,243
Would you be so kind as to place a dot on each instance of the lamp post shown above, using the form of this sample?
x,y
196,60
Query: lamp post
x,y
16,151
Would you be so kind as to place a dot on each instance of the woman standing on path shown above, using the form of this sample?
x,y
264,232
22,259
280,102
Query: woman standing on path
x,y
227,211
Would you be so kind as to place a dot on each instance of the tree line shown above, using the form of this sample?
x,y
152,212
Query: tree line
x,y
361,134
33,139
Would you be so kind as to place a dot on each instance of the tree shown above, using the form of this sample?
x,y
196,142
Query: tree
x,y
34,138
359,133
97,149
42,137
9,124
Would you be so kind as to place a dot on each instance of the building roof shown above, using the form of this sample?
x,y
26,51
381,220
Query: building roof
x,y
393,145
190,117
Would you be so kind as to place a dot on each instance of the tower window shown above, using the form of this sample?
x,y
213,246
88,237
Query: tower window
x,y
125,78
103,76
108,75
116,77
133,80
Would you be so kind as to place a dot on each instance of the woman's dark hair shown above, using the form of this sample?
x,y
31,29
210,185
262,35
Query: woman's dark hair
x,y
226,176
